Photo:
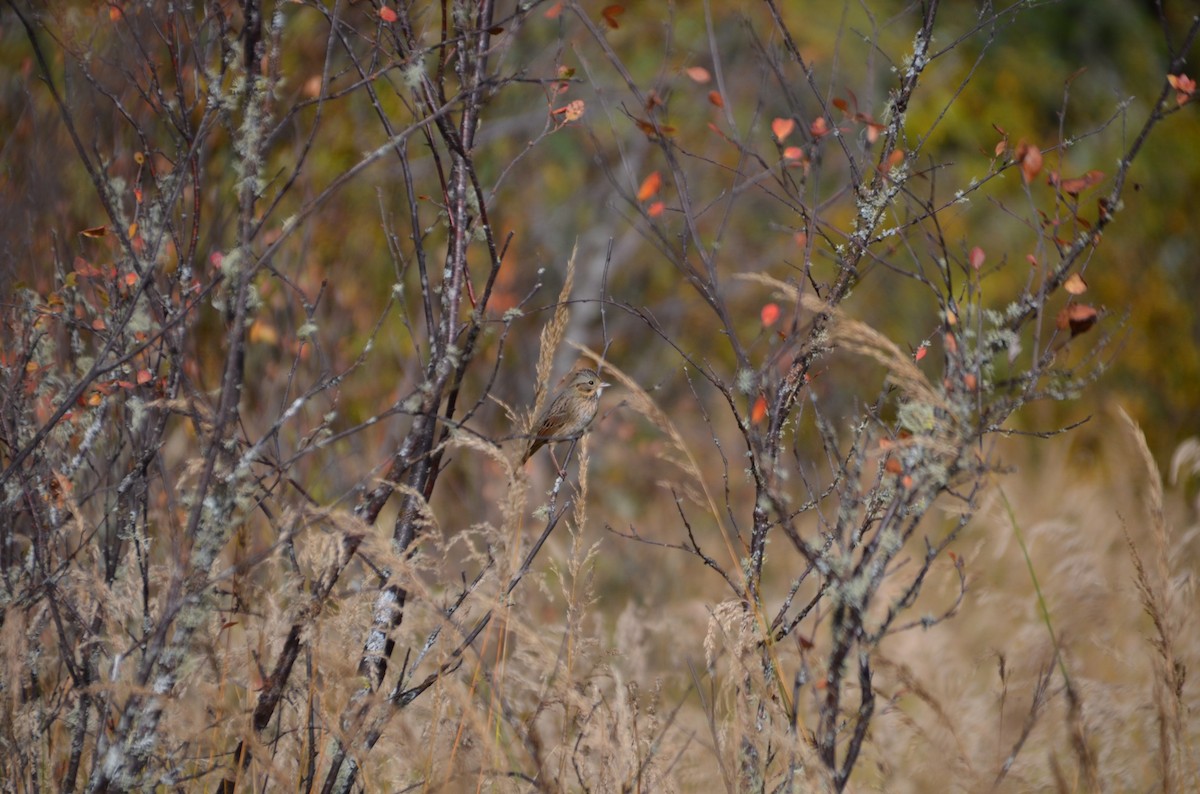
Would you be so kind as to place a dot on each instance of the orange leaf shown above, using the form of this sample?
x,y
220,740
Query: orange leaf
x,y
98,324
921,352
553,11
951,344
840,104
648,128
715,98
262,331
717,130
131,279
610,14
793,153
144,377
1183,85
970,381
1075,284
759,412
893,466
819,127
782,128
801,239
977,257
114,13
698,73
770,314
655,209
95,231
388,15
650,186
894,159
572,111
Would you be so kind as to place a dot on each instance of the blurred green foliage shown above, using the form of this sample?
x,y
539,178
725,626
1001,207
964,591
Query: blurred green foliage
x,y
560,190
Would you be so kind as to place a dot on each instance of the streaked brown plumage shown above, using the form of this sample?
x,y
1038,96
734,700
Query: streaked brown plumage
x,y
569,412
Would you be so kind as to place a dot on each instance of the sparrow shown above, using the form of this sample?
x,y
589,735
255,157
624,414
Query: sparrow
x,y
569,412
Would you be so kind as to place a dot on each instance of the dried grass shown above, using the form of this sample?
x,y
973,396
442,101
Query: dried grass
x,y
571,688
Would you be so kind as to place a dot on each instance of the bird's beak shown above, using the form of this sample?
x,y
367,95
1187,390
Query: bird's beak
x,y
602,387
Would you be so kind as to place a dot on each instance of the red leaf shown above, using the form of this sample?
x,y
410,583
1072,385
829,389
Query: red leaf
x,y
793,153
1073,187
921,352
388,15
144,377
782,128
1078,317
698,74
840,104
977,257
770,314
715,98
1030,159
655,209
554,11
650,186
610,14
819,127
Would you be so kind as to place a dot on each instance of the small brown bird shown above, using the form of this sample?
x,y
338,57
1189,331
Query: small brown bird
x,y
569,412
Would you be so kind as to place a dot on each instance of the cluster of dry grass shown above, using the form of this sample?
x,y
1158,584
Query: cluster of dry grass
x,y
1083,687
